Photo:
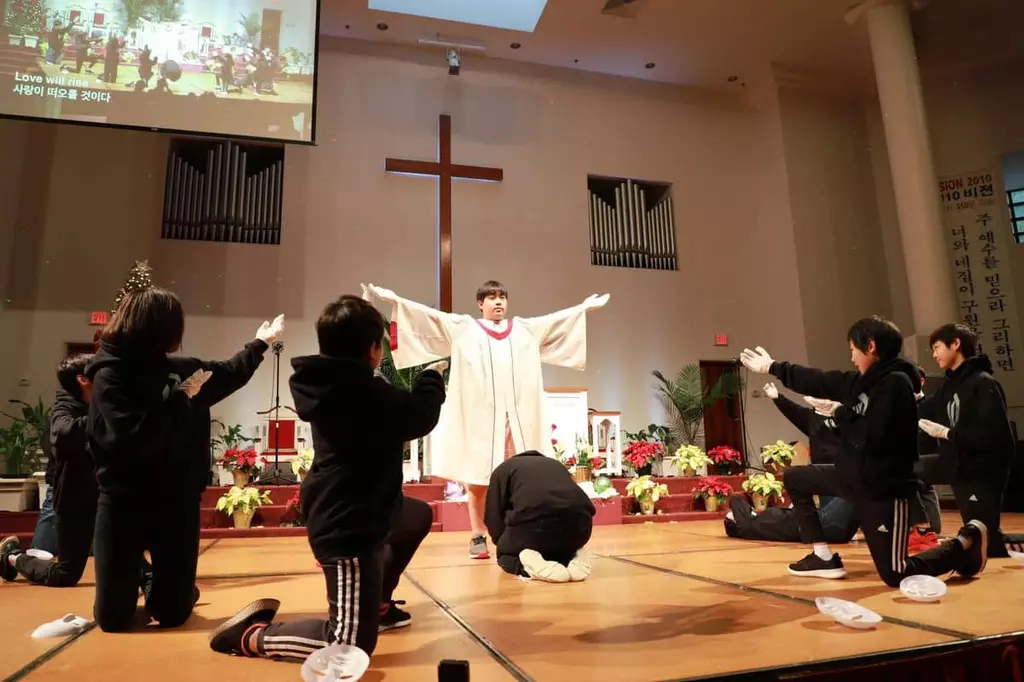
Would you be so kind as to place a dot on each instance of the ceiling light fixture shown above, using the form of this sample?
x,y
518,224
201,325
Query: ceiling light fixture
x,y
382,26
515,46
733,79
649,65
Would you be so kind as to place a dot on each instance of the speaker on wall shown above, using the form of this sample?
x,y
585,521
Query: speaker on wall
x,y
270,33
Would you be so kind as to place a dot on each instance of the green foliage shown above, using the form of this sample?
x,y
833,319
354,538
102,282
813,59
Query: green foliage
x,y
230,438
21,443
26,17
686,399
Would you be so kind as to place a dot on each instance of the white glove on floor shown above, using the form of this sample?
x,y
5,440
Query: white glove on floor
x,y
757,361
934,430
771,391
826,408
269,331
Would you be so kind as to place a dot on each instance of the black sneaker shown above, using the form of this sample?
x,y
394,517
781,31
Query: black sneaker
x,y
9,546
977,556
229,637
394,618
813,566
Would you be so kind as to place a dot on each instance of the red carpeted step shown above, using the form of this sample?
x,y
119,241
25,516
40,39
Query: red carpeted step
x,y
673,517
267,515
269,532
280,494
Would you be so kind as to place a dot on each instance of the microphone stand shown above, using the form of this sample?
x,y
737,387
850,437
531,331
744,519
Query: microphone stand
x,y
275,477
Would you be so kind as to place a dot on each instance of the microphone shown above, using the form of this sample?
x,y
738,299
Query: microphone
x,y
277,346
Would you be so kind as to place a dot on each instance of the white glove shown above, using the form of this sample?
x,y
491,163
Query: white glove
x,y
771,391
826,408
440,366
595,301
195,382
269,331
757,361
934,430
367,292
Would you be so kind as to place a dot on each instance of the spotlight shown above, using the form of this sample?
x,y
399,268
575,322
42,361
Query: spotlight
x,y
454,61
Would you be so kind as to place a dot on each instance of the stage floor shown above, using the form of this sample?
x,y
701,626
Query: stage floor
x,y
664,602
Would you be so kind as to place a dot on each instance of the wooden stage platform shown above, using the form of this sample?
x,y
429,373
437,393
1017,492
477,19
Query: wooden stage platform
x,y
665,602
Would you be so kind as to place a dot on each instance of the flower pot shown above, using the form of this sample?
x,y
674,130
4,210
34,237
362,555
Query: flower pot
x,y
760,502
31,41
776,468
18,494
582,474
712,504
241,478
15,40
645,470
647,507
243,519
689,472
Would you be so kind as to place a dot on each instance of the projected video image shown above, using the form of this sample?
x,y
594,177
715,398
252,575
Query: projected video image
x,y
232,67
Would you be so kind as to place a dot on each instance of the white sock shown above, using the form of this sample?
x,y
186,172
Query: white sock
x,y
822,551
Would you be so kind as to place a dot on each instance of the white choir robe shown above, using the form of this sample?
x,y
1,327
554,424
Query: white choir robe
x,y
495,380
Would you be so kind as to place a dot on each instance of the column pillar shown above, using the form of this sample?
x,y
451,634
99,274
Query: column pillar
x,y
925,253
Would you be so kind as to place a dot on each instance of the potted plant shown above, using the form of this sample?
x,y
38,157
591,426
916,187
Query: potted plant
x,y
23,456
641,455
26,19
242,503
686,399
689,458
777,456
726,459
302,462
713,490
292,511
646,492
230,438
242,464
763,487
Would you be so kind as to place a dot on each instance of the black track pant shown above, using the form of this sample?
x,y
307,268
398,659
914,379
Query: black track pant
x,y
887,525
74,542
357,587
557,538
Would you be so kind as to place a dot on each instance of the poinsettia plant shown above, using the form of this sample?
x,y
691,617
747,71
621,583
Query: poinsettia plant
x,y
725,458
246,461
643,453
712,486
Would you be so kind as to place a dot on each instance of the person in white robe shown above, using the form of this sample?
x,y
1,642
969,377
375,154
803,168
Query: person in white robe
x,y
495,406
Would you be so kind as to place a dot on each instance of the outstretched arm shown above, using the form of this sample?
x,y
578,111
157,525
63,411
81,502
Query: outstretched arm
x,y
815,383
416,412
868,431
419,334
562,336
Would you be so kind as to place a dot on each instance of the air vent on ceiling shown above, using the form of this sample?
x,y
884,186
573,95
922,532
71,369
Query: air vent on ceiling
x,y
628,9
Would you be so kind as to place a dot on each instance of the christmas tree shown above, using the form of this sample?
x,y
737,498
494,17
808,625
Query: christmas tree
x,y
26,17
140,277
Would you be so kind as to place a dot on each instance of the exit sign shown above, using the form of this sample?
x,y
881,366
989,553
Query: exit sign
x,y
99,318
721,339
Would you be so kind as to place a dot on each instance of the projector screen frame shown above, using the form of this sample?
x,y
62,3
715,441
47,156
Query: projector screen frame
x,y
311,142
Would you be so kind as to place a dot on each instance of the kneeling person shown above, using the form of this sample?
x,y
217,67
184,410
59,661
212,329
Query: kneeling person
x,y
539,519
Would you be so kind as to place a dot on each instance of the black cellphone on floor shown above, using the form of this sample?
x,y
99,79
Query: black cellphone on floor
x,y
453,671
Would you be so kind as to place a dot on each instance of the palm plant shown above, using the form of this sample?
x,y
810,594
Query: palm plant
x,y
133,10
161,11
251,24
686,399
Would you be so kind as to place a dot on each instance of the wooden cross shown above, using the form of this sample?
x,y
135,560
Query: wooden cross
x,y
445,171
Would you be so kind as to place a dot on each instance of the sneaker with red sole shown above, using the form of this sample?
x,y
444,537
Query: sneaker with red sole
x,y
921,541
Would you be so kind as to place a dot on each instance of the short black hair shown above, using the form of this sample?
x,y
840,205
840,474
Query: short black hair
x,y
149,321
886,335
491,288
348,328
68,371
948,333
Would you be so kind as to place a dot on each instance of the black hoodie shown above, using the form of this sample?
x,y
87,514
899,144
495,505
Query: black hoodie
x,y
144,430
227,376
877,423
972,404
532,487
136,416
74,479
360,425
822,437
